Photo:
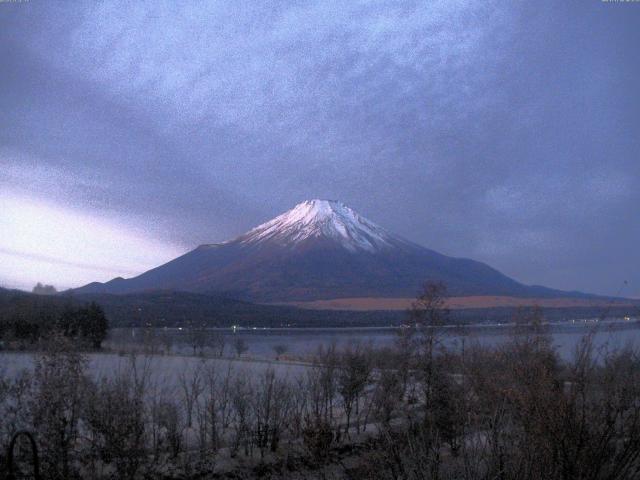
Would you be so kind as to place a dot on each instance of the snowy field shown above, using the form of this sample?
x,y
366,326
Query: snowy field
x,y
162,369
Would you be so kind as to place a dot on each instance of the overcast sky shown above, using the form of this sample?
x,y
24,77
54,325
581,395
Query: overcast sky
x,y
504,131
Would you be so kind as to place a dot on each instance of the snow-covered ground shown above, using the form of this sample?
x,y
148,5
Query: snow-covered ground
x,y
163,369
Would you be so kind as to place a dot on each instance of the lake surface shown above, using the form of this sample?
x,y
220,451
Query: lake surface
x,y
261,343
301,344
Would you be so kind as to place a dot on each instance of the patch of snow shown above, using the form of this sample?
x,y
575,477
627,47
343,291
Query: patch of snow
x,y
322,218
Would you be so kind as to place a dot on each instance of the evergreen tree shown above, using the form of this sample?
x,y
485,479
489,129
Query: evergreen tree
x,y
95,324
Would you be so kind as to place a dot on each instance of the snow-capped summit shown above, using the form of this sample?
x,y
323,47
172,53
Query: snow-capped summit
x,y
327,219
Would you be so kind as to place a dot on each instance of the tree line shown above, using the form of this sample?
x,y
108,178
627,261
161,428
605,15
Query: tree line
x,y
25,320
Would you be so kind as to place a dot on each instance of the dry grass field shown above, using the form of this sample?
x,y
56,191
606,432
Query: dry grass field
x,y
369,303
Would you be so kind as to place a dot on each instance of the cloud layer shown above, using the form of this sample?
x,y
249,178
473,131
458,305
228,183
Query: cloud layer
x,y
502,131
46,241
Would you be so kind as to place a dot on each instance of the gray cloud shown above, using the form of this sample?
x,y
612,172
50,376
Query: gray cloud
x,y
505,131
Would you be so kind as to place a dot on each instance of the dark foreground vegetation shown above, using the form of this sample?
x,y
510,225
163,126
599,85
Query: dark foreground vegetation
x,y
28,320
415,411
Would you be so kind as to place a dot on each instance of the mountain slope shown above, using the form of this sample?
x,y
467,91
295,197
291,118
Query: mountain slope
x,y
320,249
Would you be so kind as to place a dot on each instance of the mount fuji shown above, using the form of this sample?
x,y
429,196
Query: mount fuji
x,y
318,250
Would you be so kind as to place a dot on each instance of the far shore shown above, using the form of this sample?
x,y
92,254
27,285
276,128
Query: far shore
x,y
461,303
578,325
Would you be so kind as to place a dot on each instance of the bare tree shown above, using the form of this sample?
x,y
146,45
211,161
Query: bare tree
x,y
150,341
167,342
240,346
327,364
114,415
213,407
241,394
271,407
59,384
169,420
429,313
387,396
197,338
353,375
299,405
218,343
190,381
405,348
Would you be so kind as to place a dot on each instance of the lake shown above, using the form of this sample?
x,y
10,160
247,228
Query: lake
x,y
304,342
